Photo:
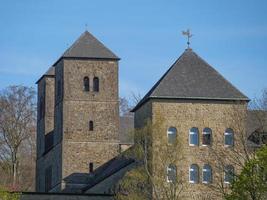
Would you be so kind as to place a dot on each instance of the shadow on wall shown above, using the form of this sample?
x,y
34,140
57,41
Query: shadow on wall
x,y
102,180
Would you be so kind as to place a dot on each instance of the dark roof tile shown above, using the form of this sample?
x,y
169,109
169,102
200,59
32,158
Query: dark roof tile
x,y
190,77
87,46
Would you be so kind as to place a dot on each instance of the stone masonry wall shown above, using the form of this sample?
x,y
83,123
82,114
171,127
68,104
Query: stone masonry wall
x,y
142,115
78,155
80,145
52,158
49,104
184,115
40,121
44,125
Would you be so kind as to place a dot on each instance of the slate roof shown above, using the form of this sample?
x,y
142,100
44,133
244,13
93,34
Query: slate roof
x,y
49,73
190,77
87,46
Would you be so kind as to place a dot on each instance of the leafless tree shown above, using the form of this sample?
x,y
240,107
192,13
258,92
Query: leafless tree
x,y
243,151
136,98
17,124
125,107
151,178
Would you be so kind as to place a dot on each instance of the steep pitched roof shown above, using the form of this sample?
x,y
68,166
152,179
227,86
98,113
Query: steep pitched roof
x,y
49,73
190,77
87,46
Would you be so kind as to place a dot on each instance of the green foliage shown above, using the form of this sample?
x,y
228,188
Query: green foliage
x,y
251,184
5,195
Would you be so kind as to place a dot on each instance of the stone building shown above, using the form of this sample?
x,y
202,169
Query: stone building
x,y
194,106
80,135
78,115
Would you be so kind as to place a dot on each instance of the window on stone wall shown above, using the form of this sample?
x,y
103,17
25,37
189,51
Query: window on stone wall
x,y
91,167
207,174
171,134
86,84
96,84
48,178
91,125
228,174
206,136
171,173
193,136
229,137
193,173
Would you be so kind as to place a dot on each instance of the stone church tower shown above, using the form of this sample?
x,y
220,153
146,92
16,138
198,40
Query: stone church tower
x,y
78,124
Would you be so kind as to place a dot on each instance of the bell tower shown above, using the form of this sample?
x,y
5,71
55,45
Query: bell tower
x,y
87,105
86,114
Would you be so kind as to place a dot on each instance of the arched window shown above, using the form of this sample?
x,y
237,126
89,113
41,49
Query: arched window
x,y
228,174
193,174
207,174
171,173
229,137
171,133
86,84
206,136
193,136
96,84
91,125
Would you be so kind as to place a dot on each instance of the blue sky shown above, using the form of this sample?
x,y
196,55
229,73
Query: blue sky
x,y
145,34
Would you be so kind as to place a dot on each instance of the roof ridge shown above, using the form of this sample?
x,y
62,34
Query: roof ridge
x,y
156,84
191,77
218,73
73,44
87,46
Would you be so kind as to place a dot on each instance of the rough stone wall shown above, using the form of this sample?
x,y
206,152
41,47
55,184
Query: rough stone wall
x,y
53,121
76,70
44,124
49,104
59,85
78,155
143,114
52,158
81,146
184,115
108,185
40,120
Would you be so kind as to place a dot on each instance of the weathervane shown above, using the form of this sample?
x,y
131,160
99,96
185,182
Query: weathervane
x,y
188,34
86,27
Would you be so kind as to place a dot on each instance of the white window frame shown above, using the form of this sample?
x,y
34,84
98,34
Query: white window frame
x,y
171,133
193,133
191,169
206,170
226,133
